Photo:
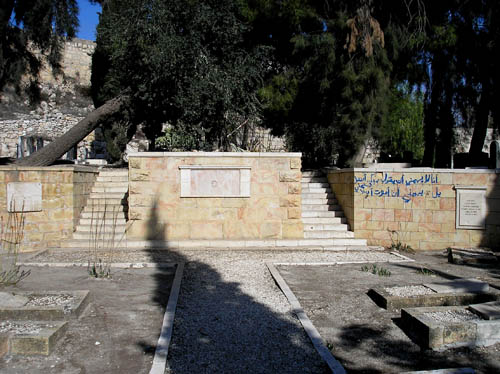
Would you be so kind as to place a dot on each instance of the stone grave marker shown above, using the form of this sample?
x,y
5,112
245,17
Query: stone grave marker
x,y
471,207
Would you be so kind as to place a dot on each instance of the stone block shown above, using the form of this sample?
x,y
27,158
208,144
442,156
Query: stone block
x,y
422,216
140,175
363,214
206,230
375,225
295,163
290,201
293,230
393,203
234,202
294,188
294,213
447,203
374,202
270,230
431,204
38,344
290,176
241,230
176,231
403,215
443,216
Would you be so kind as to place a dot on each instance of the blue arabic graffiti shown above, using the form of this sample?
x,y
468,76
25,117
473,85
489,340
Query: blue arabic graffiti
x,y
387,186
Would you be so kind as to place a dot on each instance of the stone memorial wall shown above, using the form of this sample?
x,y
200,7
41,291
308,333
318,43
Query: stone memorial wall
x,y
422,207
217,195
53,199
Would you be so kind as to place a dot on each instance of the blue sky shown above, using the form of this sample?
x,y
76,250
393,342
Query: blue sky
x,y
88,19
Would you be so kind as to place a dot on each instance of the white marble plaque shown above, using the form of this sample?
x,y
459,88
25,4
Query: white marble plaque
x,y
24,197
215,181
471,208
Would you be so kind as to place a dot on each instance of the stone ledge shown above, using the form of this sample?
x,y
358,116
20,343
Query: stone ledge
x,y
41,343
217,154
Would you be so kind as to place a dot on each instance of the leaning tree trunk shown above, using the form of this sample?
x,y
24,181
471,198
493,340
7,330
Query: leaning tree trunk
x,y
53,151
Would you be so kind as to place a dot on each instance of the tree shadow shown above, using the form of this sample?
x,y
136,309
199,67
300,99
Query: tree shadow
x,y
220,327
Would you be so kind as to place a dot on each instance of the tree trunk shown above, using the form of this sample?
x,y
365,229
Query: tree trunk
x,y
480,127
53,151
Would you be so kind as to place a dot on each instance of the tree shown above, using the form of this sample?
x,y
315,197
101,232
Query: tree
x,y
187,64
183,63
27,27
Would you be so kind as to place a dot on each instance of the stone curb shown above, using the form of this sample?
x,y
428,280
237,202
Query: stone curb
x,y
160,357
311,331
118,265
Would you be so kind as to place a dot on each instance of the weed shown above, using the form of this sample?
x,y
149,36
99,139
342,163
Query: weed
x,y
374,269
397,245
425,271
11,236
329,346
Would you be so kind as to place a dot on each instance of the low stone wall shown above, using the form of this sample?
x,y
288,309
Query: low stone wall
x,y
418,206
64,192
198,195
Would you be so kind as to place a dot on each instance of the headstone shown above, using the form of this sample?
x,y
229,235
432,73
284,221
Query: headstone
x,y
471,207
24,197
495,154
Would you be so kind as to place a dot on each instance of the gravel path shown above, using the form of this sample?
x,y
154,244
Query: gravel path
x,y
231,317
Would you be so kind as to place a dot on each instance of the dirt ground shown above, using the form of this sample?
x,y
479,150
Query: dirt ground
x,y
118,331
366,338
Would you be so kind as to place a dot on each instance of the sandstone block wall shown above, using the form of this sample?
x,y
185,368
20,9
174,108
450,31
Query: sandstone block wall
x,y
415,206
64,193
273,210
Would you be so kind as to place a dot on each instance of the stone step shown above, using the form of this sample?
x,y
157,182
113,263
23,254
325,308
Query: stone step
x,y
320,208
99,227
112,179
110,189
113,173
327,234
88,236
323,220
98,214
317,196
318,201
327,190
109,208
303,244
320,214
313,173
314,180
98,220
315,185
109,201
107,195
326,226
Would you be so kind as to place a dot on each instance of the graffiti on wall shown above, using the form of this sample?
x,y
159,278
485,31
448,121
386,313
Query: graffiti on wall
x,y
404,187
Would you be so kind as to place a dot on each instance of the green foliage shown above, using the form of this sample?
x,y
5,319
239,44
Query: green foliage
x,y
27,26
403,130
374,269
397,245
185,63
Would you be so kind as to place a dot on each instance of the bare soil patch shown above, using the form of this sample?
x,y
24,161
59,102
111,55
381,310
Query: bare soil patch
x,y
366,338
118,331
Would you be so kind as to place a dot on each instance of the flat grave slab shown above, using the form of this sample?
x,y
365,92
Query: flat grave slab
x,y
42,306
490,310
443,371
463,256
30,337
442,327
426,295
459,286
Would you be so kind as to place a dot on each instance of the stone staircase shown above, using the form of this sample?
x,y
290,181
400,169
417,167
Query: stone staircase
x,y
104,217
322,217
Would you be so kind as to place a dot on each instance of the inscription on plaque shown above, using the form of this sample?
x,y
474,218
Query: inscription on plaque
x,y
24,197
471,207
215,181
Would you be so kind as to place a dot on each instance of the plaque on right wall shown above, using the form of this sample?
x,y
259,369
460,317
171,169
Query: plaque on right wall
x,y
471,207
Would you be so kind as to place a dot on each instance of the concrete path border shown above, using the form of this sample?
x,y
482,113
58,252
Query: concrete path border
x,y
116,265
311,331
160,358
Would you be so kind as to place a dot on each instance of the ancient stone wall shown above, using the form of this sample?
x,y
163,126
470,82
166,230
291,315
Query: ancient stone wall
x,y
421,207
199,195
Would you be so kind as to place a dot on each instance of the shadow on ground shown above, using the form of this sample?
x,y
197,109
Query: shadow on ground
x,y
219,327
